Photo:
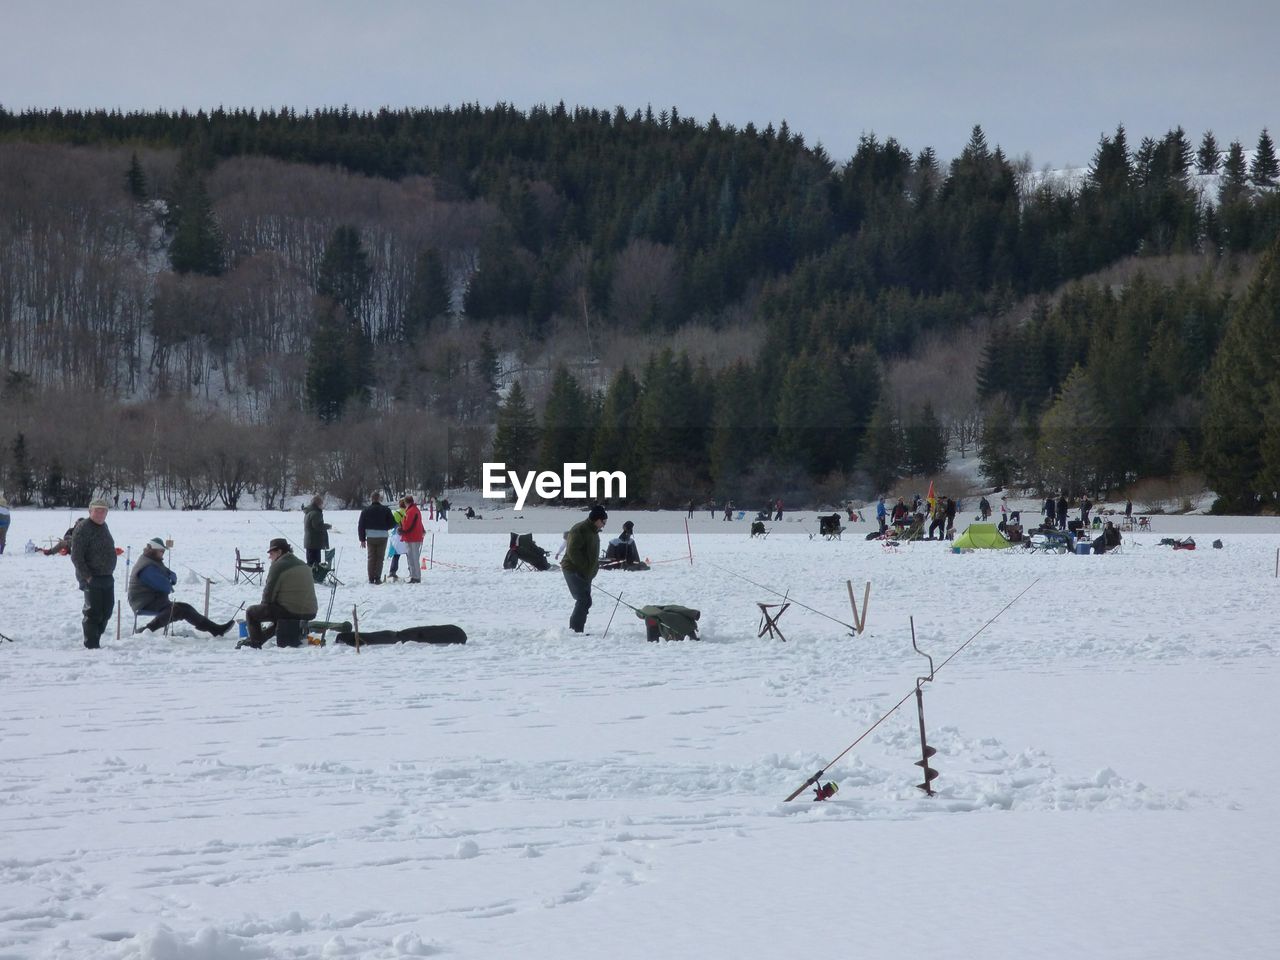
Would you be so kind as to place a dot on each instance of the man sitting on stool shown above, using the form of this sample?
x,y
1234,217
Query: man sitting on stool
x,y
289,594
151,583
622,548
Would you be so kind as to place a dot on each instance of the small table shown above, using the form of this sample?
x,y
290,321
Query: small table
x,y
769,621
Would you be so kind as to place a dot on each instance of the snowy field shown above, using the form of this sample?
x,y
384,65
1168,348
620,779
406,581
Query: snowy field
x,y
1107,751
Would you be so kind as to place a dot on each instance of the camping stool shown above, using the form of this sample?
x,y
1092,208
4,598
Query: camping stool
x,y
151,615
289,633
769,623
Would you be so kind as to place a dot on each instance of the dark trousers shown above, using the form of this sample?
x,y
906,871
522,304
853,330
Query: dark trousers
x,y
261,613
377,553
313,555
778,515
936,525
580,590
99,598
188,614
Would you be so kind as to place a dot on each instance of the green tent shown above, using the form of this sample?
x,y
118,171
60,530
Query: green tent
x,y
981,536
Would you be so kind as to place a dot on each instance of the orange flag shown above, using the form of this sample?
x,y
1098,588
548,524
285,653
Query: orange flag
x,y
931,496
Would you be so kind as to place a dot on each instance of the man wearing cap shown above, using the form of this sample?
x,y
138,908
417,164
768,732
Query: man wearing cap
x,y
289,594
581,562
4,522
151,582
93,553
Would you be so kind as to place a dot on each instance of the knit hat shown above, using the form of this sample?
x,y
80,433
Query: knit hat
x,y
156,543
598,513
99,503
281,544
628,526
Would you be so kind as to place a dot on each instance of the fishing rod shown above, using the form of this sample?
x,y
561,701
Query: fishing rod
x,y
911,693
618,598
778,593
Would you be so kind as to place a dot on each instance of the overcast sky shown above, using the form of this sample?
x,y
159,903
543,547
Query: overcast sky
x,y
1043,79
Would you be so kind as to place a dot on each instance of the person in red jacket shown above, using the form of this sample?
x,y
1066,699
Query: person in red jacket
x,y
411,533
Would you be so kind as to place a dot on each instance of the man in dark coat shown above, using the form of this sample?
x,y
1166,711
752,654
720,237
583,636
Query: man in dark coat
x,y
315,532
93,553
151,583
289,594
1062,511
376,524
1109,539
581,562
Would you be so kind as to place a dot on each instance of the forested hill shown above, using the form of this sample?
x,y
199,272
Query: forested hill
x,y
348,264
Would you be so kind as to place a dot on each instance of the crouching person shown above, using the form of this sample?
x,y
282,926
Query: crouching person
x,y
289,594
150,586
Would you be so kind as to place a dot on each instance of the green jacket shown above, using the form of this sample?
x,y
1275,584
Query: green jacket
x,y
582,550
315,532
290,584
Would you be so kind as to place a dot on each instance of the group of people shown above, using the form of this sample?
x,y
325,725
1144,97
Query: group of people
x,y
941,512
288,593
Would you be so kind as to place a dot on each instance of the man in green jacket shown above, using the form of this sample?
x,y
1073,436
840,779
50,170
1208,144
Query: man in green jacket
x,y
289,594
580,563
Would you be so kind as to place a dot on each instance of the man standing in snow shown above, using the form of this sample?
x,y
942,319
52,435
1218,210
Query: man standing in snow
x,y
375,523
581,562
93,553
4,522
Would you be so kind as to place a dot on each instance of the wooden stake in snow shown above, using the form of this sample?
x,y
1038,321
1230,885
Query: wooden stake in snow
x,y
355,621
859,622
690,543
117,621
207,584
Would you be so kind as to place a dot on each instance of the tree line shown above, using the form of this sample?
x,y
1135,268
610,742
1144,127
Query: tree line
x,y
346,267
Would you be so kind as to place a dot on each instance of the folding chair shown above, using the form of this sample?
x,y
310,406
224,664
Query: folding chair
x,y
769,622
323,572
250,568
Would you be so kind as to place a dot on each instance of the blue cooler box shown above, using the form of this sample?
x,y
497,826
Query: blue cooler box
x,y
1084,548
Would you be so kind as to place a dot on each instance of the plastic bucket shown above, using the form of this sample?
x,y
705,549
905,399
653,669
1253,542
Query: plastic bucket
x,y
244,630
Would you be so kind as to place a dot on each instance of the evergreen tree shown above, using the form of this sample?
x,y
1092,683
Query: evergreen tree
x,y
329,381
502,284
996,448
135,180
1235,179
925,443
1207,157
566,420
1239,384
428,296
735,426
21,482
883,453
1070,431
616,435
516,441
345,276
197,245
1265,169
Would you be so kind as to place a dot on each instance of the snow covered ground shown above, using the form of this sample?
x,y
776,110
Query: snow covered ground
x,y
1106,748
